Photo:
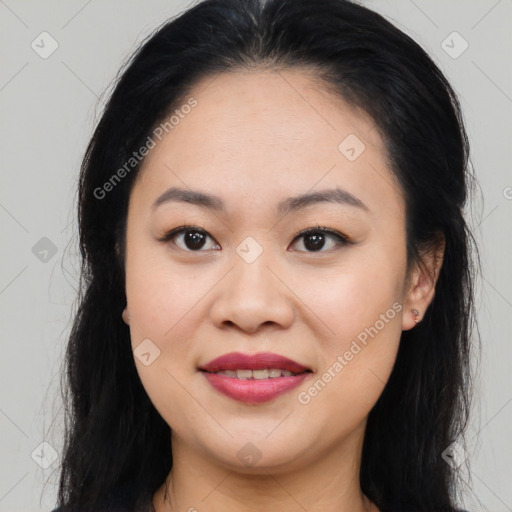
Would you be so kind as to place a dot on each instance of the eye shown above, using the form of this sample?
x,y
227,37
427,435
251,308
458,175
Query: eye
x,y
320,239
194,239
189,238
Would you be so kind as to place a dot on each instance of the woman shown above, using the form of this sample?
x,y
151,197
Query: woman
x,y
277,283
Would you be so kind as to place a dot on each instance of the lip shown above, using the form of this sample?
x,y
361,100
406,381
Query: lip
x,y
253,391
260,361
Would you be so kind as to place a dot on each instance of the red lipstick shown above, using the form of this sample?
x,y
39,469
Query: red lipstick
x,y
254,378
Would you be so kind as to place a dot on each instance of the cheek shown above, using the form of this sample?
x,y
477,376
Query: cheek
x,y
164,309
356,362
360,308
351,297
159,297
159,291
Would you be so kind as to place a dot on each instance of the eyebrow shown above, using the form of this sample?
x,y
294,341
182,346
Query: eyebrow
x,y
291,204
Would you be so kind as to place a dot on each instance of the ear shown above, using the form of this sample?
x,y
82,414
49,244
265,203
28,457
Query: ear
x,y
126,316
421,282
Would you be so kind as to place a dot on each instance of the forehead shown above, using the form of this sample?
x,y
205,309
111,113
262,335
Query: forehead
x,y
269,134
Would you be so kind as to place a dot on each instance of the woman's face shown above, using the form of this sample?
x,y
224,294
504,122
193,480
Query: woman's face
x,y
243,280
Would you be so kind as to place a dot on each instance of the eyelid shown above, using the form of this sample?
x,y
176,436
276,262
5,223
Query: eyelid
x,y
181,229
340,237
325,230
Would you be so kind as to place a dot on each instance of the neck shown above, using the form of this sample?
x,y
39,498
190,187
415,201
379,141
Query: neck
x,y
329,482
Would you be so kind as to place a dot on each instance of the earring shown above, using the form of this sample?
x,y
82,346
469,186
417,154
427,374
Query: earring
x,y
415,314
126,316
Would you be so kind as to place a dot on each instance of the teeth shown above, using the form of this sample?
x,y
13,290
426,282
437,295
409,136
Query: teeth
x,y
243,374
229,373
260,374
271,373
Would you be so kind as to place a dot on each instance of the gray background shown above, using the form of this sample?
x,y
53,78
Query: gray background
x,y
48,110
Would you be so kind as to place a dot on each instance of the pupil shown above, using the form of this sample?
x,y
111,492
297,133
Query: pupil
x,y
194,239
317,241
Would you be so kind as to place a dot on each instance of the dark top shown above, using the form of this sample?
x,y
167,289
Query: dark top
x,y
122,499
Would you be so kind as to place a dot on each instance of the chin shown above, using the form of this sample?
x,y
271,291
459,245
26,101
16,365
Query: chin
x,y
249,454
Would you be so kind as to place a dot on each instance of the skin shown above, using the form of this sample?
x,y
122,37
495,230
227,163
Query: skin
x,y
254,139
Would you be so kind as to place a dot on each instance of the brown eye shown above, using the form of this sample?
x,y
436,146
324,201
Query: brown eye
x,y
194,239
321,239
190,238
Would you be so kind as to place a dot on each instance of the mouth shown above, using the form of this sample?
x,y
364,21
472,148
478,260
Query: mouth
x,y
254,378
266,373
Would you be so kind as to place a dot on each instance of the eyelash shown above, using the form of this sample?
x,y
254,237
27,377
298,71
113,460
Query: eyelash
x,y
341,240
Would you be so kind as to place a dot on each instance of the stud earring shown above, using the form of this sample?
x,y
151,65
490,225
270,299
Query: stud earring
x,y
126,316
415,314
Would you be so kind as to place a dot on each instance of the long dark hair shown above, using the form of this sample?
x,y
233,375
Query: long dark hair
x,y
114,435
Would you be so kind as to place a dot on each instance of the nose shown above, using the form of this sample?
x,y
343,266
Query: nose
x,y
253,295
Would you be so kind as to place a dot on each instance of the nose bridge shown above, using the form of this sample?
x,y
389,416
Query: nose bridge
x,y
251,269
252,295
